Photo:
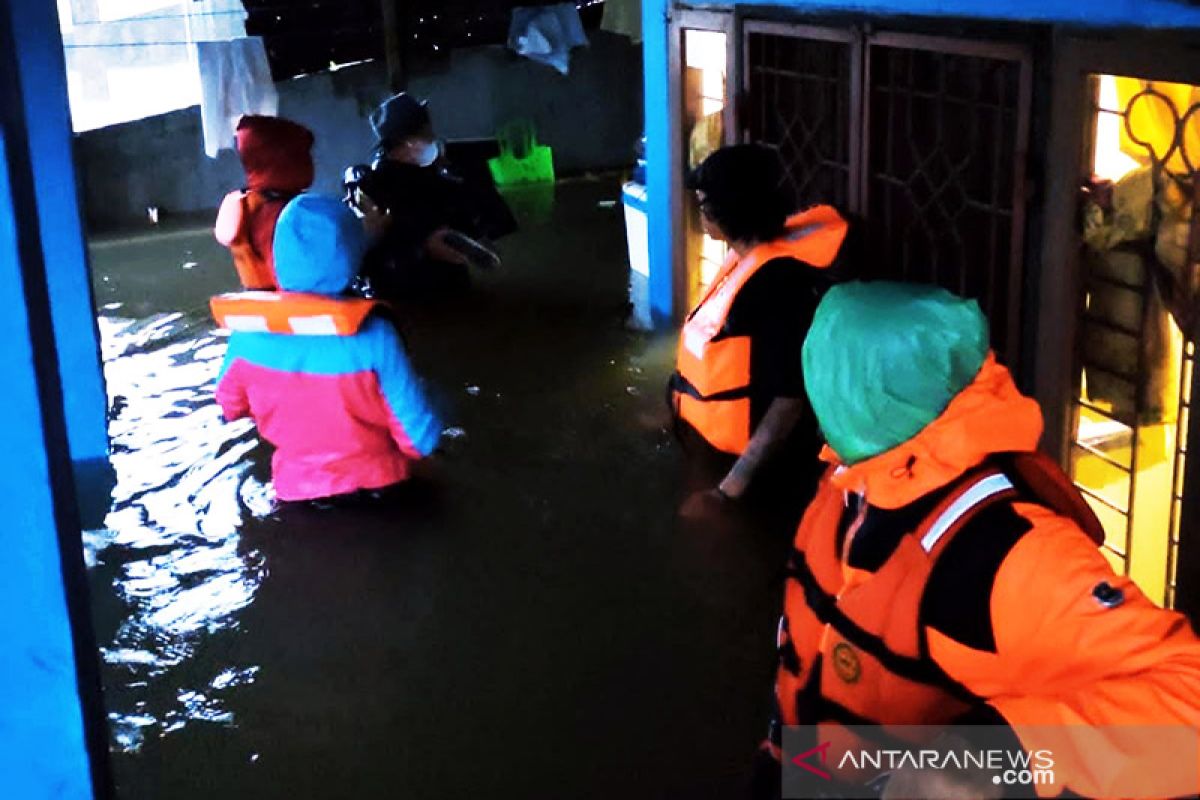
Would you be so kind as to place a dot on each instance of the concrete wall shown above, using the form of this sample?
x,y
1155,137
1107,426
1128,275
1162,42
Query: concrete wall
x,y
591,118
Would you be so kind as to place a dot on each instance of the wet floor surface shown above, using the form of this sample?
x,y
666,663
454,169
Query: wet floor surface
x,y
534,623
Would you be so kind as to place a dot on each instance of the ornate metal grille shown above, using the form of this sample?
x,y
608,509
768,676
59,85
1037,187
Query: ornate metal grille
x,y
801,90
946,129
1134,302
1185,409
924,137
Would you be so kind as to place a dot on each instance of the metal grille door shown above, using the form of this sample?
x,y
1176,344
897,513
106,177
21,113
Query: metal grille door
x,y
947,123
924,137
1180,471
802,89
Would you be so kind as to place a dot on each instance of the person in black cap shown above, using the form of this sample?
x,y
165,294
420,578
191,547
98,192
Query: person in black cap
x,y
738,390
427,220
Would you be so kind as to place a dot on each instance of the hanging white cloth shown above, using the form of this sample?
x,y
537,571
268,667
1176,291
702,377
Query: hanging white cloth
x,y
623,17
235,79
131,59
547,34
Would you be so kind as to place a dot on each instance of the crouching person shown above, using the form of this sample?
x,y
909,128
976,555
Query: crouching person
x,y
946,575
324,375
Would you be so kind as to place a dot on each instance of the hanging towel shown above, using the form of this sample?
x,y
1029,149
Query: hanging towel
x,y
623,17
547,34
235,79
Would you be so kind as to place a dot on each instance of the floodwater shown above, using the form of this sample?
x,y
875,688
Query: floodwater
x,y
533,621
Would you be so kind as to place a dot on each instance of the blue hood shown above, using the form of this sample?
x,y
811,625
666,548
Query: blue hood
x,y
319,245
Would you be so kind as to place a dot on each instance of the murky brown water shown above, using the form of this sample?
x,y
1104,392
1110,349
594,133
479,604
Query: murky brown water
x,y
533,623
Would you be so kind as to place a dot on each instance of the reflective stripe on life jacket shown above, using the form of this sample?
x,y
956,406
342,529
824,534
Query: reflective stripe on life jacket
x,y
292,313
711,385
853,642
240,211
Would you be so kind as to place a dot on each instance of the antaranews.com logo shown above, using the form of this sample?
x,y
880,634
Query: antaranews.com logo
x,y
989,761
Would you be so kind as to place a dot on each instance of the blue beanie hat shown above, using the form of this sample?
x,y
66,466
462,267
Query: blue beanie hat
x,y
319,245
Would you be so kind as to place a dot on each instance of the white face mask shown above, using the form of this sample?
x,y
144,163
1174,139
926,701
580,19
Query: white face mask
x,y
427,154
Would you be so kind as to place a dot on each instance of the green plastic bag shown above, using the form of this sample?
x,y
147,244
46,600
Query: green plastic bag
x,y
521,159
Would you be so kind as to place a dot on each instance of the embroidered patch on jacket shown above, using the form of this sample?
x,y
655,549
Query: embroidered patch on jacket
x,y
845,662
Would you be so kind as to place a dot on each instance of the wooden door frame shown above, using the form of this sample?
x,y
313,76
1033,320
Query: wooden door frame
x,y
684,18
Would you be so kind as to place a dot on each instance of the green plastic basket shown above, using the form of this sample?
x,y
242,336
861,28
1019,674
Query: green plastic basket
x,y
521,159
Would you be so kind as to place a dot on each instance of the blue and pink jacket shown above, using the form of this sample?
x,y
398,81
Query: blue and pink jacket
x,y
344,412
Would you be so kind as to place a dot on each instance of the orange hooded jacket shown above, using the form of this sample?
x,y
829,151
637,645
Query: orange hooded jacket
x,y
1049,659
277,156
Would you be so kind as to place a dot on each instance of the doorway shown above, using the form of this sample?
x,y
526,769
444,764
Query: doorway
x,y
702,57
1139,245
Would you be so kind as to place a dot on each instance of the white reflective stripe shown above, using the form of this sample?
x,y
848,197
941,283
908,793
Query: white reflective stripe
x,y
249,323
980,491
323,325
694,340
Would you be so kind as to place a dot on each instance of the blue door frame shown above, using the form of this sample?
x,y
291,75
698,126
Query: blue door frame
x,y
53,737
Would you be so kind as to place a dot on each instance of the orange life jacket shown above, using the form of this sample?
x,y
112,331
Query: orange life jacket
x,y
711,385
236,230
852,642
292,312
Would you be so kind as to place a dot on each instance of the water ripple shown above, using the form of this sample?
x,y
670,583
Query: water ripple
x,y
186,484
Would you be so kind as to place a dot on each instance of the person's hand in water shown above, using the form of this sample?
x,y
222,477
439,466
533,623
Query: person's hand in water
x,y
439,250
706,505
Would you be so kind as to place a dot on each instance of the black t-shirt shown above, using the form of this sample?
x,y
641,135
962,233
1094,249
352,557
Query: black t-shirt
x,y
775,309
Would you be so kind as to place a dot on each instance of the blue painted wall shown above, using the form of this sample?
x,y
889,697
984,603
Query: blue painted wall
x,y
1096,13
50,710
42,751
42,75
655,56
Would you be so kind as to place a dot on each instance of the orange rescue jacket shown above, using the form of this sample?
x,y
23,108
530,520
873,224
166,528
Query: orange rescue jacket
x,y
711,386
857,647
292,312
246,225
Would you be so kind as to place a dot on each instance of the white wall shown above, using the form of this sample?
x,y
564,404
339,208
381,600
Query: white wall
x,y
592,118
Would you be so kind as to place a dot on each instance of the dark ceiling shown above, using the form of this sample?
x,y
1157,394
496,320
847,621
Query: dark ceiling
x,y
306,37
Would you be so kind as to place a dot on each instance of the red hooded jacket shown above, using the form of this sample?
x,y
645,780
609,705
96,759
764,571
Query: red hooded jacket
x,y
277,156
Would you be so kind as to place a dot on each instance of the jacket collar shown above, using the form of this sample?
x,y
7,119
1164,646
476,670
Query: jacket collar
x,y
989,416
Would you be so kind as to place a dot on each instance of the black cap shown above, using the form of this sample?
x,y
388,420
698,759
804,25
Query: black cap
x,y
398,117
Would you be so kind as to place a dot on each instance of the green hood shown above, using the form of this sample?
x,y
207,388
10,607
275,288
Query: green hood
x,y
883,360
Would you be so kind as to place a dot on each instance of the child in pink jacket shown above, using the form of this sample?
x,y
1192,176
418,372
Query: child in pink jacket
x,y
335,394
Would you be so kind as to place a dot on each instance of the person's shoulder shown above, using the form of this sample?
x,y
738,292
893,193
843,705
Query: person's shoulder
x,y
783,268
380,333
958,594
780,281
